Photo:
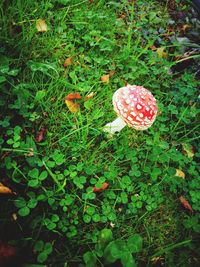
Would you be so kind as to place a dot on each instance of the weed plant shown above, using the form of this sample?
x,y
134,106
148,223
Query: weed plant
x,y
55,212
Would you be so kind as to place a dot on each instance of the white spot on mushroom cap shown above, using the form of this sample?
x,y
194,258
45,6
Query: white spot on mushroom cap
x,y
141,115
139,106
133,113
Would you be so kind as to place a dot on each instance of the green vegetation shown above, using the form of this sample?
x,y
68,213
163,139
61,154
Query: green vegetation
x,y
52,158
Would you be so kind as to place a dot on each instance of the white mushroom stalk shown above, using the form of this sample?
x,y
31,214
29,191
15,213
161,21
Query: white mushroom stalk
x,y
135,106
116,126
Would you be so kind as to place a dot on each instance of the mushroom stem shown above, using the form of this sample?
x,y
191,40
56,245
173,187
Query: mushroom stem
x,y
116,126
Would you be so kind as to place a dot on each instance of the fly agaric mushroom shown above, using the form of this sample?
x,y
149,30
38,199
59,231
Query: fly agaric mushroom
x,y
135,106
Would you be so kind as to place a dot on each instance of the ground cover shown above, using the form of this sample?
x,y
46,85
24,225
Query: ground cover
x,y
70,194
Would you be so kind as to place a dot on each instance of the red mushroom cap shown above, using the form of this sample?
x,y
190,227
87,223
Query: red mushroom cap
x,y
136,106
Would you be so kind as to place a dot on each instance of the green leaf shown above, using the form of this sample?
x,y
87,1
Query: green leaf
x,y
48,248
2,79
24,211
68,200
90,259
34,173
16,144
115,250
43,175
86,218
96,218
51,225
13,72
32,203
155,173
42,257
134,243
89,104
55,218
39,246
105,236
42,67
40,95
128,260
33,183
90,210
20,202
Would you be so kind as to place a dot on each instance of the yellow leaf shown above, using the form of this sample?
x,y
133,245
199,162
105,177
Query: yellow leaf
x,y
185,27
5,190
189,150
41,25
180,173
14,216
73,107
105,78
89,96
161,53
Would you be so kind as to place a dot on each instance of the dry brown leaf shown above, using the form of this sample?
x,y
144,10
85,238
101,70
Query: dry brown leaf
x,y
41,134
153,48
5,155
104,186
189,150
180,173
185,203
186,27
105,78
7,253
68,62
89,96
5,190
41,25
161,53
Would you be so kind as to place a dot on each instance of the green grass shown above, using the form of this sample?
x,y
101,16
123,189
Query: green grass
x,y
59,217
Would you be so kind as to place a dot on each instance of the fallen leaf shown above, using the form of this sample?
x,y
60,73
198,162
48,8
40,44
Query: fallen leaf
x,y
189,150
156,260
180,173
68,62
73,107
41,25
104,186
73,96
161,53
40,136
112,73
6,154
186,27
153,48
5,190
89,96
69,101
112,224
105,78
30,152
14,216
7,253
185,203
